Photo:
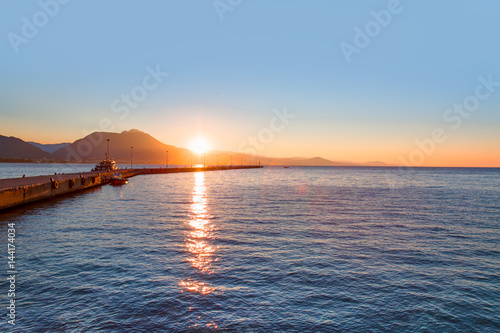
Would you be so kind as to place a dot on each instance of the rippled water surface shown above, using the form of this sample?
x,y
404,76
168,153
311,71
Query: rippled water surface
x,y
271,250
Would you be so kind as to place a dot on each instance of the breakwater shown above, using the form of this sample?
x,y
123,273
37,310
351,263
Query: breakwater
x,y
15,192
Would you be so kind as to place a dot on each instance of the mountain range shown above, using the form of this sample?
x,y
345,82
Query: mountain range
x,y
50,148
143,149
11,147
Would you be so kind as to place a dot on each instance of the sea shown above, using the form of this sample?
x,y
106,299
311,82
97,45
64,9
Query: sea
x,y
299,249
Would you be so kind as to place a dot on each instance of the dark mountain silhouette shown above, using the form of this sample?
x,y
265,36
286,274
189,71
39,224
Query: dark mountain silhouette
x,y
50,148
146,149
11,147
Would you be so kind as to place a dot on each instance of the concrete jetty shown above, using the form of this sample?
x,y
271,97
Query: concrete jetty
x,y
15,192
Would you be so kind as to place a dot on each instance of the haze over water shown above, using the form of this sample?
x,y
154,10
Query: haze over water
x,y
299,249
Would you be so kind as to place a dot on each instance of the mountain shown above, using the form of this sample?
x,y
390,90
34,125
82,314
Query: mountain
x,y
295,161
240,158
316,161
11,147
146,149
50,148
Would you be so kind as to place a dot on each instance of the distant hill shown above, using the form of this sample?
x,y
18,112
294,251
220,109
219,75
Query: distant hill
x,y
11,147
50,148
146,149
316,161
238,158
375,163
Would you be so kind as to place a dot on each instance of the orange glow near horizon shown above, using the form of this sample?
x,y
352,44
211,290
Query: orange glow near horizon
x,y
472,147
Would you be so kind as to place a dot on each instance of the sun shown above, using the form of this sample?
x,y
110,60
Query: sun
x,y
200,146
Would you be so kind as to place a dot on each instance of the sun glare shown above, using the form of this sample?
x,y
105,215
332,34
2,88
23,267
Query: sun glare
x,y
200,146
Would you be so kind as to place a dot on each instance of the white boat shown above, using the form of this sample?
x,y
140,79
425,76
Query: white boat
x,y
106,165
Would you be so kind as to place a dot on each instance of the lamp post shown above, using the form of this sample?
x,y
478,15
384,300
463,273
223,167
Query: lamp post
x,y
131,164
166,163
107,152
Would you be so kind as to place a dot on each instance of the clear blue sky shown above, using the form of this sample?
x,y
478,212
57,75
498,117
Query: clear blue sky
x,y
226,76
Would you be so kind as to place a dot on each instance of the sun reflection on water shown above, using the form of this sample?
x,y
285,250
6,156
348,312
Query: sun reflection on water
x,y
197,241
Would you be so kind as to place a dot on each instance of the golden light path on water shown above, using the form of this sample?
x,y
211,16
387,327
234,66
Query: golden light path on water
x,y
201,251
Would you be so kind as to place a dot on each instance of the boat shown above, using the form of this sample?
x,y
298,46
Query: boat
x,y
106,165
117,179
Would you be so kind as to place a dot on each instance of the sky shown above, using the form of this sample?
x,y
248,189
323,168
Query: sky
x,y
402,82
